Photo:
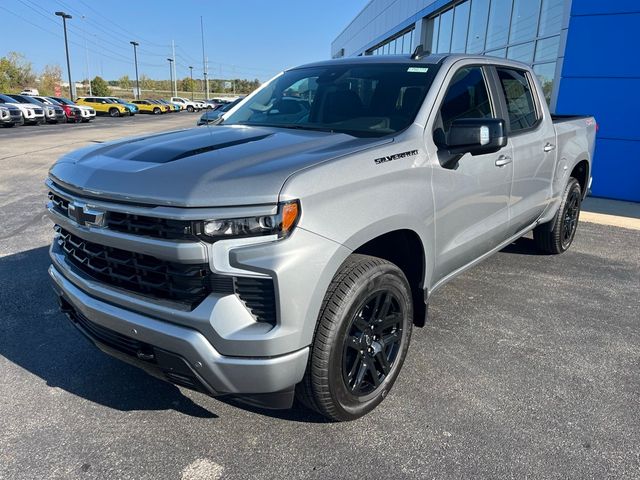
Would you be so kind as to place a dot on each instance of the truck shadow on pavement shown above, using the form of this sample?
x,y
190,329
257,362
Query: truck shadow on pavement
x,y
35,336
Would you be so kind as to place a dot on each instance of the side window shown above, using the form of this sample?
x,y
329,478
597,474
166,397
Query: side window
x,y
467,97
519,98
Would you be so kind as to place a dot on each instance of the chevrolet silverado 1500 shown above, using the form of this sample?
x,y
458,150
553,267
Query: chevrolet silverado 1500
x,y
291,248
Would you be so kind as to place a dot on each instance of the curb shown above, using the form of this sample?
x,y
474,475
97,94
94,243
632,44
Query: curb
x,y
610,220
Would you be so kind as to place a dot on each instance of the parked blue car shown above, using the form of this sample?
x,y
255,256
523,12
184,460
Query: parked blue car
x,y
211,116
133,108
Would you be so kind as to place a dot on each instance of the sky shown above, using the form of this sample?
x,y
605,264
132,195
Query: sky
x,y
243,38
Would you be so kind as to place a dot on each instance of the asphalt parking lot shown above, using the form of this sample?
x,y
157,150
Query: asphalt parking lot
x,y
529,367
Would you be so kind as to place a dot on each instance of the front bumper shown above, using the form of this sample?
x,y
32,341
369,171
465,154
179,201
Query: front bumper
x,y
239,353
191,355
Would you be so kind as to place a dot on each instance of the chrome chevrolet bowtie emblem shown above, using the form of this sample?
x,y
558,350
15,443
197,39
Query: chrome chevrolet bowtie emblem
x,y
86,215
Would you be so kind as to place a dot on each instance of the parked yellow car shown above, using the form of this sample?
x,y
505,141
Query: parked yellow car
x,y
145,106
104,105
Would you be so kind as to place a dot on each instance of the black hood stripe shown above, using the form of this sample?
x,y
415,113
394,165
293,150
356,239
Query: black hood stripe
x,y
211,148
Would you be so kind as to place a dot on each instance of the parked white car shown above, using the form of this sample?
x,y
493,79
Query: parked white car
x,y
188,105
32,114
30,91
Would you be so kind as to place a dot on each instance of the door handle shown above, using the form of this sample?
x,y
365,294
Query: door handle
x,y
549,147
503,160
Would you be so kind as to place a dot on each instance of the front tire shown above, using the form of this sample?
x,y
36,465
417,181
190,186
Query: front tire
x,y
361,340
556,236
156,111
190,109
114,112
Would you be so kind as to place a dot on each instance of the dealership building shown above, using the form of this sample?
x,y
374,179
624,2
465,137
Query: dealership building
x,y
583,51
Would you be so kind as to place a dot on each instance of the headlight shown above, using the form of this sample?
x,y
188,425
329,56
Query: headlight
x,y
280,224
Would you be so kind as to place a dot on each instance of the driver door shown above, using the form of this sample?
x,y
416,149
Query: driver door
x,y
471,197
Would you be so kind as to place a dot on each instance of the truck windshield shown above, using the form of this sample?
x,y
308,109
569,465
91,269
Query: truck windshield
x,y
358,99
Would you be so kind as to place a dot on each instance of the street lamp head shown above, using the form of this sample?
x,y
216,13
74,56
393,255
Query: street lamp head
x,y
135,44
170,59
63,15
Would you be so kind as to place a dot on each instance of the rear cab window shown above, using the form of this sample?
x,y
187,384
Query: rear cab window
x,y
518,93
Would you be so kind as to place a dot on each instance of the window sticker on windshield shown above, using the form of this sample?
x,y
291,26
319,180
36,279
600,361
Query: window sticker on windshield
x,y
418,69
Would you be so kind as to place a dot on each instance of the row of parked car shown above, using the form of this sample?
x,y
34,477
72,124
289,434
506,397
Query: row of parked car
x,y
30,108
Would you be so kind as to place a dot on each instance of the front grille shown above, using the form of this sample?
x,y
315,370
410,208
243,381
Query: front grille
x,y
148,226
38,111
258,295
144,274
59,204
136,224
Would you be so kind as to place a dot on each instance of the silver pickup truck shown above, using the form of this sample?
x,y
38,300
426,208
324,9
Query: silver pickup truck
x,y
290,249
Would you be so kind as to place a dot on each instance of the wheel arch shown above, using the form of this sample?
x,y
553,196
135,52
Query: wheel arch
x,y
581,173
405,249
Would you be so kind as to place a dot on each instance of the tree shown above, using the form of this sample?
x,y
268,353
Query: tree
x,y
99,87
124,82
186,84
145,82
50,78
15,73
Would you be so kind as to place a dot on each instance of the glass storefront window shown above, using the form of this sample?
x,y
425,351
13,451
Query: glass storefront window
x,y
546,73
460,27
477,26
406,46
501,53
524,20
498,28
521,53
547,49
551,17
446,26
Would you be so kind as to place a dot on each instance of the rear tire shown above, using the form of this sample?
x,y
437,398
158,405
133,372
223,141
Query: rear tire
x,y
361,339
114,112
556,236
190,108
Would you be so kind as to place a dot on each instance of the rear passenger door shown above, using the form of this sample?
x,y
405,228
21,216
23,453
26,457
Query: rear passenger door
x,y
471,197
533,139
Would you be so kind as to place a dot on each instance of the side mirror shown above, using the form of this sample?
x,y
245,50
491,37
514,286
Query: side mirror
x,y
476,136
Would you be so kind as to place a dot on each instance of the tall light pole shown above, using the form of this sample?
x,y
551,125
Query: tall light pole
x,y
66,16
191,72
135,59
86,54
204,62
171,72
175,76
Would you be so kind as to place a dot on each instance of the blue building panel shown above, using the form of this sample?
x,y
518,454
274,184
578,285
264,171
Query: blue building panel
x,y
616,170
602,7
612,101
601,77
603,46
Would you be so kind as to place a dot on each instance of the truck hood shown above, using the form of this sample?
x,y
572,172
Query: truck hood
x,y
201,167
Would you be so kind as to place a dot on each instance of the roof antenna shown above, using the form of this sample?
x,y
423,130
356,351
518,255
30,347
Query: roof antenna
x,y
419,53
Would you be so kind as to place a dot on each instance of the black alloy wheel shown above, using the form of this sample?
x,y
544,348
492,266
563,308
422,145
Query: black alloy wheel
x,y
570,218
557,235
361,339
372,343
